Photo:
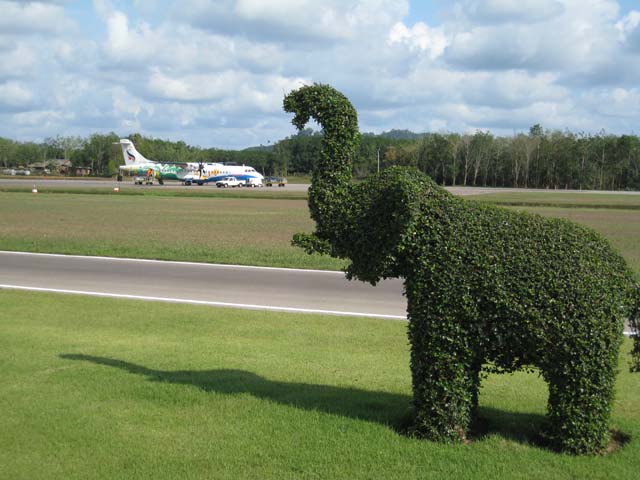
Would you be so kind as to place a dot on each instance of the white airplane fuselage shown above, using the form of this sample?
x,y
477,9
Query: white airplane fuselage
x,y
213,172
188,172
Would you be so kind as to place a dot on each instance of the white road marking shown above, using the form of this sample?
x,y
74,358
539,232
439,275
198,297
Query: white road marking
x,y
211,304
199,302
203,302
174,262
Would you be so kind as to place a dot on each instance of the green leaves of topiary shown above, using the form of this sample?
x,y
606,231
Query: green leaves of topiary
x,y
484,285
634,321
330,182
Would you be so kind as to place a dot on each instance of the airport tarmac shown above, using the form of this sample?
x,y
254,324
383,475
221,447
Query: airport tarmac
x,y
235,286
28,183
262,288
109,184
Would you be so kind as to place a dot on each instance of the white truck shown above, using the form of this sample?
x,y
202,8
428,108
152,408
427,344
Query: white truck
x,y
229,182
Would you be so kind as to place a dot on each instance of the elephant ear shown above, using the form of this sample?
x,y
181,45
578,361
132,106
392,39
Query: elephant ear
x,y
297,103
386,224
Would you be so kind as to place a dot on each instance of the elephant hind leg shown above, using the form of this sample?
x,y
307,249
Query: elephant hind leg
x,y
579,406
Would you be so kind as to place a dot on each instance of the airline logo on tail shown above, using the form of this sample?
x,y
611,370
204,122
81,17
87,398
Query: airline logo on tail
x,y
130,154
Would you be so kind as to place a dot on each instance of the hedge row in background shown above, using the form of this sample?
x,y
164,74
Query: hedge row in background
x,y
538,158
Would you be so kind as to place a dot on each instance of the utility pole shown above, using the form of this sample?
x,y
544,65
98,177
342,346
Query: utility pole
x,y
378,160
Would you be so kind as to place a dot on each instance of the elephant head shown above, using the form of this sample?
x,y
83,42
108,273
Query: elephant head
x,y
372,223
388,222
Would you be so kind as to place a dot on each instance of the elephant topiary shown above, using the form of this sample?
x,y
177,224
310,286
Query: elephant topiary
x,y
485,285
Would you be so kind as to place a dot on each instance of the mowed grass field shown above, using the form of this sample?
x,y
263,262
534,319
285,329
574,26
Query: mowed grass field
x,y
616,216
104,388
620,227
628,201
156,191
245,231
250,231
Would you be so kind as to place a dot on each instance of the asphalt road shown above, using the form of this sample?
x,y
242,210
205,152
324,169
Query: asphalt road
x,y
109,184
27,182
218,285
256,288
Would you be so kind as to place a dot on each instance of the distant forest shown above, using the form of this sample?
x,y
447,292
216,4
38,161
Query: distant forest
x,y
538,159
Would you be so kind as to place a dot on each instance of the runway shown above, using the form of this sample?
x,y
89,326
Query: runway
x,y
262,288
108,184
237,286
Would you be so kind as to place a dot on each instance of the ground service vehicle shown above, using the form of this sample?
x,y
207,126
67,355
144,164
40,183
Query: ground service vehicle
x,y
270,181
139,180
253,182
229,182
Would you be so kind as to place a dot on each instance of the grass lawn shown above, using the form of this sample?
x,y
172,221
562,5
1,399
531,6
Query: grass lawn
x,y
621,227
129,189
217,230
103,388
247,231
567,200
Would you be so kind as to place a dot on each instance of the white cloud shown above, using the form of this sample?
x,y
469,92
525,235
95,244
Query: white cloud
x,y
215,73
420,36
192,88
291,21
628,23
179,48
14,96
580,42
512,89
505,11
32,17
618,102
629,30
17,60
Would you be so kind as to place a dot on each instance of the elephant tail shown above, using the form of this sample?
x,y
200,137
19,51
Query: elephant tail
x,y
634,322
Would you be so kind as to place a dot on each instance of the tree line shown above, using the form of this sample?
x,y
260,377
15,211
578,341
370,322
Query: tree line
x,y
538,159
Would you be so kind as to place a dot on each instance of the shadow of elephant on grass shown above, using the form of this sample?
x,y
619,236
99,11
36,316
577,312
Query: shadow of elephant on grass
x,y
379,407
388,409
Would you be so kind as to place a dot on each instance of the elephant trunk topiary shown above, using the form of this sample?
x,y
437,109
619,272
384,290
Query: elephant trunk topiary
x,y
486,287
634,322
331,177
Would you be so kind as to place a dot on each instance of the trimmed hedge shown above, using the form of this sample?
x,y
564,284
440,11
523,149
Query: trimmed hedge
x,y
634,321
485,286
330,180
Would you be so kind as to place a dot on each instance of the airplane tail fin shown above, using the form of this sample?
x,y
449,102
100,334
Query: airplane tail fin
x,y
130,154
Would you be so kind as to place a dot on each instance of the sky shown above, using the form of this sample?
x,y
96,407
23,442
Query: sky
x,y
214,73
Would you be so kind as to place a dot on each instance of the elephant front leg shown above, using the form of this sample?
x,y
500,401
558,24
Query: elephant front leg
x,y
445,373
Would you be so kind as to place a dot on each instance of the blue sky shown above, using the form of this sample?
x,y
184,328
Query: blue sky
x,y
213,73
